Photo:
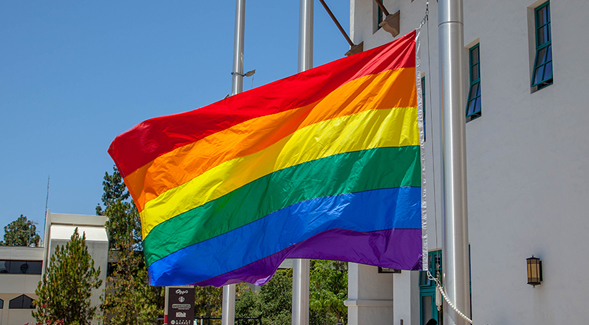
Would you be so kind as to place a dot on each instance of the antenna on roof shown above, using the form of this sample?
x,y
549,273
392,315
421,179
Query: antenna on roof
x,y
46,203
47,199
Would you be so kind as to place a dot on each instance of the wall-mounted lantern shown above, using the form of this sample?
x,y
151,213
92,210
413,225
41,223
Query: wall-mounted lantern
x,y
534,271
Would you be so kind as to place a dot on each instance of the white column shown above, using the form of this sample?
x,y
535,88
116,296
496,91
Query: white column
x,y
370,295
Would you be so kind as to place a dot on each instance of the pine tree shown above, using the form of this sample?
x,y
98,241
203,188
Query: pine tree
x,y
65,290
21,232
128,298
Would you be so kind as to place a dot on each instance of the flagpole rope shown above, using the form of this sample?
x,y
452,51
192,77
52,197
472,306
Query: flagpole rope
x,y
440,288
424,20
429,89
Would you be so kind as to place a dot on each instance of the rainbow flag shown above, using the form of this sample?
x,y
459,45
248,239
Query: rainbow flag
x,y
325,164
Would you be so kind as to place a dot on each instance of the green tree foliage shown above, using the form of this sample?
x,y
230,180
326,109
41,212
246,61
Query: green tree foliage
x,y
65,290
208,301
114,189
276,297
128,297
327,292
273,302
21,232
123,224
248,303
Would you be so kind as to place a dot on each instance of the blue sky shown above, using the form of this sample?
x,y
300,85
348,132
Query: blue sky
x,y
75,74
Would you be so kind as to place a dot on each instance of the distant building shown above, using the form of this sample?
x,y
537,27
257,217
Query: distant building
x,y
21,268
525,102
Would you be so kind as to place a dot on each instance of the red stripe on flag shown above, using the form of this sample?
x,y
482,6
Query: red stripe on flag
x,y
159,135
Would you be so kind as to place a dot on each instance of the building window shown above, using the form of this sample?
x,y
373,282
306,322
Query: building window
x,y
20,267
378,17
473,107
423,103
1,304
542,76
21,302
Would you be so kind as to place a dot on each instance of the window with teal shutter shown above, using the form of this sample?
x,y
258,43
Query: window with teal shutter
x,y
542,75
473,106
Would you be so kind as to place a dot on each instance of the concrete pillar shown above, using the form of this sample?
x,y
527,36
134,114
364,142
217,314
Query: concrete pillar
x,y
370,295
406,297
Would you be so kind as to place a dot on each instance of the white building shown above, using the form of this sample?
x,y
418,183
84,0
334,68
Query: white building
x,y
526,162
21,268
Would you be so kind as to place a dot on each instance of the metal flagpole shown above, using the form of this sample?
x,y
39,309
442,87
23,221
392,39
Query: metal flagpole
x,y
301,267
455,235
228,308
237,80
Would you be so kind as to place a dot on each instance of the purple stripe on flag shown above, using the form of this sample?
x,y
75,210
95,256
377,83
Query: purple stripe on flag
x,y
394,248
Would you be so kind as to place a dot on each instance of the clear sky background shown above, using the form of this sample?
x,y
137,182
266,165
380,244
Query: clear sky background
x,y
75,74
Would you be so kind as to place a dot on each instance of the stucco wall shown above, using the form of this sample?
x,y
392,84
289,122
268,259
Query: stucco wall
x,y
526,155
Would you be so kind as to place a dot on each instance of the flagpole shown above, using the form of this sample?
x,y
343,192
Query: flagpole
x,y
301,267
237,80
455,262
228,308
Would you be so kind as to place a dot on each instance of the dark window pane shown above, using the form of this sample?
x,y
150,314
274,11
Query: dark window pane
x,y
4,266
422,278
475,72
548,71
427,308
18,267
470,107
548,53
540,16
539,73
540,57
21,302
35,267
477,105
478,90
542,35
547,12
21,267
474,56
1,304
472,92
548,37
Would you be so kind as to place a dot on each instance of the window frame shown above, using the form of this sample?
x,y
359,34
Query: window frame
x,y
547,46
379,17
21,267
22,300
475,84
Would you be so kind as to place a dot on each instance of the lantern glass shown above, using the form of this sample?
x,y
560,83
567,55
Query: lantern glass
x,y
534,271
